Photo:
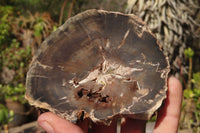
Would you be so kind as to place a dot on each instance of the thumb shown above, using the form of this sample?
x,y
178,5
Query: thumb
x,y
54,124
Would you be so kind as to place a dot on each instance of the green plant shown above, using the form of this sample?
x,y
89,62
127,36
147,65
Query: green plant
x,y
193,92
196,80
196,90
16,93
31,30
5,12
5,115
191,96
189,53
16,58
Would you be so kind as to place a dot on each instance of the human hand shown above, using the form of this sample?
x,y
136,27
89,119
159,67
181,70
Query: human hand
x,y
167,121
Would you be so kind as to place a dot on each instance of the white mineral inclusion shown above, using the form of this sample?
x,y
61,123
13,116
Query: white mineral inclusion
x,y
109,70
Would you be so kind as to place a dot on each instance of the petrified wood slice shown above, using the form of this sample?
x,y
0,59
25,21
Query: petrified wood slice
x,y
99,64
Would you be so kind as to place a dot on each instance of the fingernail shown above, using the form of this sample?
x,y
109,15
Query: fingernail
x,y
46,126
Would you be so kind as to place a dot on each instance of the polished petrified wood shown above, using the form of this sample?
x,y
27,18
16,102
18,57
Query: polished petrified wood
x,y
99,64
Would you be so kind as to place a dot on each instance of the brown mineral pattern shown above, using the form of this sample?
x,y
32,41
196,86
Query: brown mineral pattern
x,y
99,64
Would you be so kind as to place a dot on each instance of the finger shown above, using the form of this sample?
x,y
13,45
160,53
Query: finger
x,y
168,116
54,124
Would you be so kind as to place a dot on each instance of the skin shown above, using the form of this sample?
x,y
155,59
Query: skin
x,y
167,121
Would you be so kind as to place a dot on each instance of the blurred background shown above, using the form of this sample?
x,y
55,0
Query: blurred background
x,y
24,25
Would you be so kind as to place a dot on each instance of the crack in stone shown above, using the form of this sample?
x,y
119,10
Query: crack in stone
x,y
43,66
124,39
38,76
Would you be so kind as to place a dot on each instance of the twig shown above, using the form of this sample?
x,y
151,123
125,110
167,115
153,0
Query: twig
x,y
61,12
190,73
70,9
189,102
